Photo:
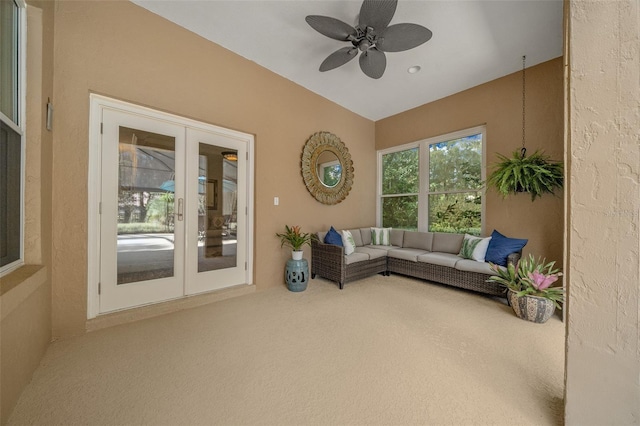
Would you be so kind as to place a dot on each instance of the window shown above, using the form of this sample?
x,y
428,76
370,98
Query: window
x,y
11,135
455,183
434,185
400,188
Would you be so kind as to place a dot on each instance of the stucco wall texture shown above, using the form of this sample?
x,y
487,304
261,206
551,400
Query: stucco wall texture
x,y
603,261
25,305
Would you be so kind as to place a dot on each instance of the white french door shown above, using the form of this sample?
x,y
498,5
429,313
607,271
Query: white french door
x,y
216,250
173,201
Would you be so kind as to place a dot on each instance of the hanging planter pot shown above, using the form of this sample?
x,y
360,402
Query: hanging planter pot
x,y
536,174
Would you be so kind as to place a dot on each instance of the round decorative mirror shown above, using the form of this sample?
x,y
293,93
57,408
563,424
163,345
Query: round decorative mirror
x,y
327,168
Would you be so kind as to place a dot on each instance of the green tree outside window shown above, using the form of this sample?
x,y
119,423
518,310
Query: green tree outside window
x,y
454,193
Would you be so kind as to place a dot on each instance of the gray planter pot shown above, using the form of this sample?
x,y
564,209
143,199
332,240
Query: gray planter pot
x,y
531,308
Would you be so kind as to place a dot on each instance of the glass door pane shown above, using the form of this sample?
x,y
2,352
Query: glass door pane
x,y
142,194
146,186
216,211
217,208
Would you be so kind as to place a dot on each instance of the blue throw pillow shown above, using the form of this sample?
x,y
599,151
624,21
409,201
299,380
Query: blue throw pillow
x,y
500,247
333,237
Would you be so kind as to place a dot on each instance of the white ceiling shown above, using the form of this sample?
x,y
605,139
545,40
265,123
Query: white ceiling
x,y
473,42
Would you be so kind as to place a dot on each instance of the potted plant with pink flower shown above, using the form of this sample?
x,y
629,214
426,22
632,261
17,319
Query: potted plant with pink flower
x,y
529,287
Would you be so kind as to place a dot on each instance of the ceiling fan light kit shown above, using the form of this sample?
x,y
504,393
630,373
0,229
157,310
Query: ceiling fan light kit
x,y
372,37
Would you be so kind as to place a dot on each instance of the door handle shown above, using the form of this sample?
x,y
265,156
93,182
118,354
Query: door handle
x,y
180,213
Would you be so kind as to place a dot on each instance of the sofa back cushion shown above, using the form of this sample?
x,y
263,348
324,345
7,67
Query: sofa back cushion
x,y
357,237
447,243
418,240
365,233
397,237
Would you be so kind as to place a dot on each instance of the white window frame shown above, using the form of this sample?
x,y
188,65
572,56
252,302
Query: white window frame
x,y
423,170
19,124
380,195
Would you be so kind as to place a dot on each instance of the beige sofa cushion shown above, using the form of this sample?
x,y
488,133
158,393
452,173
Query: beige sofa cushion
x,y
410,254
443,259
355,257
447,243
365,233
357,238
372,252
418,240
470,265
396,237
385,248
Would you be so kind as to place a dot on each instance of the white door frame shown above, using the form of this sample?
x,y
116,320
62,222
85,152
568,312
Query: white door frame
x,y
98,104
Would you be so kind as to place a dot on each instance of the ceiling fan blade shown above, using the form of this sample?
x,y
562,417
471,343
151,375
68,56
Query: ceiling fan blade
x,y
331,27
338,58
376,14
373,62
399,37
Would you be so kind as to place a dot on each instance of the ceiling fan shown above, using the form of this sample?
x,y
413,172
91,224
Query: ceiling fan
x,y
372,36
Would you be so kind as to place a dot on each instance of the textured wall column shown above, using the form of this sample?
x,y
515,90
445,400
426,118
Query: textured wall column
x,y
603,337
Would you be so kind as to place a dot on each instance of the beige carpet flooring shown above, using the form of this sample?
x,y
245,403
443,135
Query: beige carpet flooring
x,y
385,350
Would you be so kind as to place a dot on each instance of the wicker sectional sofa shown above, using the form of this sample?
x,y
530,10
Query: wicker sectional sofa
x,y
431,256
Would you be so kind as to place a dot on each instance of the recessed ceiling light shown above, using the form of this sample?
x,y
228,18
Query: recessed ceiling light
x,y
414,69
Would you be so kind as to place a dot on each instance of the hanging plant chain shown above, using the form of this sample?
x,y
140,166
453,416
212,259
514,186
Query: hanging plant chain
x,y
523,151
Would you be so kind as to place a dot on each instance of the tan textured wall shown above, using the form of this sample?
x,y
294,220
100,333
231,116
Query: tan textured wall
x,y
603,334
498,104
39,141
25,332
123,51
25,329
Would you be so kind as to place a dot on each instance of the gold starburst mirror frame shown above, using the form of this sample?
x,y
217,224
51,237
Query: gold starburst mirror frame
x,y
327,169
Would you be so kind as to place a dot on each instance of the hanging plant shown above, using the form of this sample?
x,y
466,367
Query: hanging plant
x,y
536,174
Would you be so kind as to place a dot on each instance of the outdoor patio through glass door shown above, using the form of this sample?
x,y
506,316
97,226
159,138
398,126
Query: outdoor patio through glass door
x,y
173,218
